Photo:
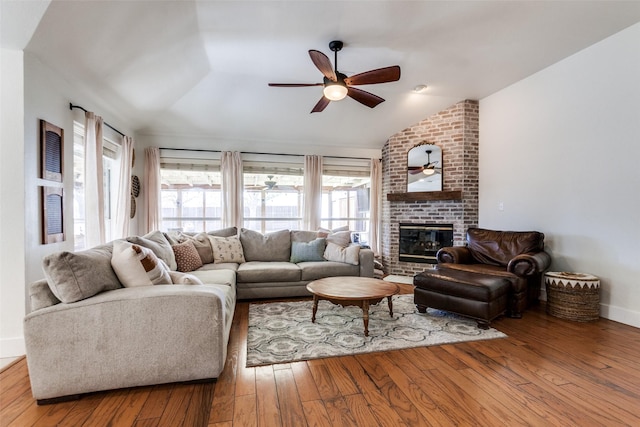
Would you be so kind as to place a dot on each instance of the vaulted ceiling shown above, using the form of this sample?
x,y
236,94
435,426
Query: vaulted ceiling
x,y
202,67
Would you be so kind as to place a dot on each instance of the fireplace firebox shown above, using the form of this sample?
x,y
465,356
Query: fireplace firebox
x,y
421,242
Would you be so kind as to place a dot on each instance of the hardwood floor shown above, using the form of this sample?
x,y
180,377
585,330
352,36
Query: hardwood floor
x,y
547,372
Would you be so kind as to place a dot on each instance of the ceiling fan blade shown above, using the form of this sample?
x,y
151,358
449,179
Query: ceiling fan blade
x,y
364,97
323,63
295,84
381,75
321,105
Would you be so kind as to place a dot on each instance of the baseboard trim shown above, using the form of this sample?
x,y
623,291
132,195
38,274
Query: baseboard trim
x,y
12,347
619,314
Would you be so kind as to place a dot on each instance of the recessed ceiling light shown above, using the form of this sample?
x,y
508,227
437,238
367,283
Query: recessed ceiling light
x,y
420,89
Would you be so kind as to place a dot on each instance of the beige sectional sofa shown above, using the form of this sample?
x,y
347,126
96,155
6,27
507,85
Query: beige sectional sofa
x,y
120,315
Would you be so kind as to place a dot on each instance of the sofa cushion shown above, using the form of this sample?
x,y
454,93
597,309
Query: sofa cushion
x,y
40,295
200,241
224,232
308,251
73,276
138,266
222,266
499,247
158,243
219,277
227,249
275,246
349,254
187,257
260,271
322,269
304,236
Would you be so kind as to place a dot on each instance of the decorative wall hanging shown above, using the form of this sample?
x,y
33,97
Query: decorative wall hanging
x,y
135,192
52,151
52,215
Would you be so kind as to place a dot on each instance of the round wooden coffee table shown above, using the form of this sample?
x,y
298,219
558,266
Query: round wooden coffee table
x,y
352,290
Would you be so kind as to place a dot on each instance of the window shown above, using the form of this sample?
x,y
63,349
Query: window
x,y
191,196
273,193
346,188
110,167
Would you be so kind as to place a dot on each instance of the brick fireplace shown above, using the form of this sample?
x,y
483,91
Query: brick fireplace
x,y
455,130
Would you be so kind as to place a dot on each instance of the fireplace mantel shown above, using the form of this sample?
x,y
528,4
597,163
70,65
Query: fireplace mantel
x,y
425,196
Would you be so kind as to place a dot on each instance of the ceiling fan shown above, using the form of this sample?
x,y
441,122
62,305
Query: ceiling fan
x,y
428,168
337,85
270,183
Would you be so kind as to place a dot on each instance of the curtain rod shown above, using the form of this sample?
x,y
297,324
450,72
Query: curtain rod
x,y
254,152
71,107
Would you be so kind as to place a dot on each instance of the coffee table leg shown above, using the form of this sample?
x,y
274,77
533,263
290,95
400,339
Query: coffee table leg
x,y
365,317
315,309
390,306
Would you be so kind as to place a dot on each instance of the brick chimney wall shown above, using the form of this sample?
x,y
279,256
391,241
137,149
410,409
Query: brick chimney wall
x,y
455,130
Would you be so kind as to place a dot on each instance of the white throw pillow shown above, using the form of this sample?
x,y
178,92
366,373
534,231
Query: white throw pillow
x,y
136,265
178,278
349,254
227,249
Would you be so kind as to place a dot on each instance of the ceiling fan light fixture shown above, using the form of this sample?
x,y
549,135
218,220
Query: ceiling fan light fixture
x,y
335,91
428,171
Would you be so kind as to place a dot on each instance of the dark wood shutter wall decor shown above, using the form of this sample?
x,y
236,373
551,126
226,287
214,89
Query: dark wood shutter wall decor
x,y
52,215
52,151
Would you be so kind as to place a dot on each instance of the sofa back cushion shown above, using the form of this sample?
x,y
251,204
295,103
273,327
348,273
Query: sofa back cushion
x,y
224,232
499,247
40,295
74,276
274,246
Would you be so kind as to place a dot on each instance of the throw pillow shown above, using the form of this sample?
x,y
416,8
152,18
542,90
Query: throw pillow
x,y
349,254
341,238
308,251
227,249
274,246
136,265
178,278
74,276
200,241
158,244
187,257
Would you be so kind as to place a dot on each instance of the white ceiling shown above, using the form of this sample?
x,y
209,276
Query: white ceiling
x,y
201,68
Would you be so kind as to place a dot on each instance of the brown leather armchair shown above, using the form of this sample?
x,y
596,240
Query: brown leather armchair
x,y
518,256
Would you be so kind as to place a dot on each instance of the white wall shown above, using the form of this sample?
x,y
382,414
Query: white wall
x,y
32,91
561,151
12,197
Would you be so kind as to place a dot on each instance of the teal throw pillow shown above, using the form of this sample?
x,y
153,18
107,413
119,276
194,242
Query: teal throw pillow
x,y
308,251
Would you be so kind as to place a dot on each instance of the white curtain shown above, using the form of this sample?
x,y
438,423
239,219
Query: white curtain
x,y
152,187
375,200
312,192
232,189
93,185
123,203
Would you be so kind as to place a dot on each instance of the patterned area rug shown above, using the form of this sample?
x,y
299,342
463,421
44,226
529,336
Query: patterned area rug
x,y
282,332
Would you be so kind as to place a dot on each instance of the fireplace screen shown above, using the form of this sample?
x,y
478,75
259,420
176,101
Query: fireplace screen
x,y
420,242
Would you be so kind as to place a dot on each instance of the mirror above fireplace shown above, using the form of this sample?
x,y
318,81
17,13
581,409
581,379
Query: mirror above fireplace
x,y
424,168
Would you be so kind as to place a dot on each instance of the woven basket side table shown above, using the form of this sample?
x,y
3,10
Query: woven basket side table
x,y
573,296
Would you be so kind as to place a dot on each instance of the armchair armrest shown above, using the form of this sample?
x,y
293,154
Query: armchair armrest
x,y
455,255
529,264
